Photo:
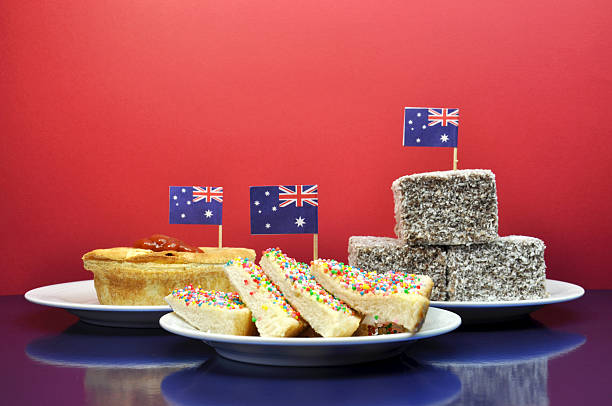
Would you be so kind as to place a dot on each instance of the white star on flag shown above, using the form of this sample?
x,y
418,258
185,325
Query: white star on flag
x,y
196,205
283,209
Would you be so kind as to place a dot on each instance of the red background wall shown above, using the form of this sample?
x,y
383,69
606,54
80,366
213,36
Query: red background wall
x,y
105,104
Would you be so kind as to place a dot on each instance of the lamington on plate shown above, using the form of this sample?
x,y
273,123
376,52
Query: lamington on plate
x,y
446,207
509,268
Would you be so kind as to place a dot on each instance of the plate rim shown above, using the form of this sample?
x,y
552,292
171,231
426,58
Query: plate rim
x,y
33,295
577,292
191,332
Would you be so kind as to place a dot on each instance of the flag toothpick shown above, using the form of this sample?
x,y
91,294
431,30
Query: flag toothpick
x,y
286,209
197,205
432,127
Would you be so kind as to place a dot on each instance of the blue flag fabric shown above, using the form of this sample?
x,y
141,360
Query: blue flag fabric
x,y
430,127
196,205
289,209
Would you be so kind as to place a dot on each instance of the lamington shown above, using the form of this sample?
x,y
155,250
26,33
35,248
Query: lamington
x,y
382,254
394,298
446,207
327,315
272,314
212,311
509,268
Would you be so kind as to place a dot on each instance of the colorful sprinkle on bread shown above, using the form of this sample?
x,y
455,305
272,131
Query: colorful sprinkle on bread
x,y
326,314
390,298
272,314
196,296
369,282
212,311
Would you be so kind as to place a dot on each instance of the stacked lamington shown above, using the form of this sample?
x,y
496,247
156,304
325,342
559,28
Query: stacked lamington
x,y
446,224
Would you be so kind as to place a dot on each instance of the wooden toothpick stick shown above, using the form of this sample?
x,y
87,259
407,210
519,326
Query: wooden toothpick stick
x,y
315,247
220,236
455,159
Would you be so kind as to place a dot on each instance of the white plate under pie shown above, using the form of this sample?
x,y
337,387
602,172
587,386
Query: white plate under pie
x,y
480,312
316,351
80,298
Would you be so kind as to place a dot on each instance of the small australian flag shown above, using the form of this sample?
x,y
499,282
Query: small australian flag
x,y
196,205
291,209
430,127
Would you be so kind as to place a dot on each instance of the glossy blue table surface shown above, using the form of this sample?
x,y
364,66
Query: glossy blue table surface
x,y
561,354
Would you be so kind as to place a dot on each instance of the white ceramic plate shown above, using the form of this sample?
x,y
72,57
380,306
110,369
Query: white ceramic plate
x,y
80,298
477,312
318,351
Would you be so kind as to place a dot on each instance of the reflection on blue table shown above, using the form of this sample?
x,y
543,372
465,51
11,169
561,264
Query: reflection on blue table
x,y
122,366
88,345
506,366
399,380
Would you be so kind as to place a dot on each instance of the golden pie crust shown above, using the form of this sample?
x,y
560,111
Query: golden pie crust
x,y
134,276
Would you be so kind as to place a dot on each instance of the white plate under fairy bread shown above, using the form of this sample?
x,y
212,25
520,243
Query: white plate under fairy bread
x,y
313,351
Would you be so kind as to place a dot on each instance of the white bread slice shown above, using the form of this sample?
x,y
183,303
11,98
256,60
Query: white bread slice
x,y
274,316
212,311
383,298
327,315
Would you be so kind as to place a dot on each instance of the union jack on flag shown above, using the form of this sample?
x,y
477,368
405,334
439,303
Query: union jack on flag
x,y
207,194
443,117
196,205
298,194
431,127
284,209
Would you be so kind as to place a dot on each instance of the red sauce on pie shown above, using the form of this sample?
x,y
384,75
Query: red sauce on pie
x,y
160,242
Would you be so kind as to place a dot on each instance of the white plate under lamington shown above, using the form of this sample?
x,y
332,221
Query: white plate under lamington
x,y
313,351
484,312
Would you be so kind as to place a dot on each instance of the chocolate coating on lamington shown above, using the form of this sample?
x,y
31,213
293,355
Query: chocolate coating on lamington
x,y
382,254
446,208
510,268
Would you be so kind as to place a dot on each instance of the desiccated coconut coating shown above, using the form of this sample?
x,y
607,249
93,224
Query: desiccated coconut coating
x,y
382,254
510,268
446,208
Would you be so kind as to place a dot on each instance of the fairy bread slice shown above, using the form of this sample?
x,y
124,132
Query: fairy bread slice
x,y
393,298
272,314
327,315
